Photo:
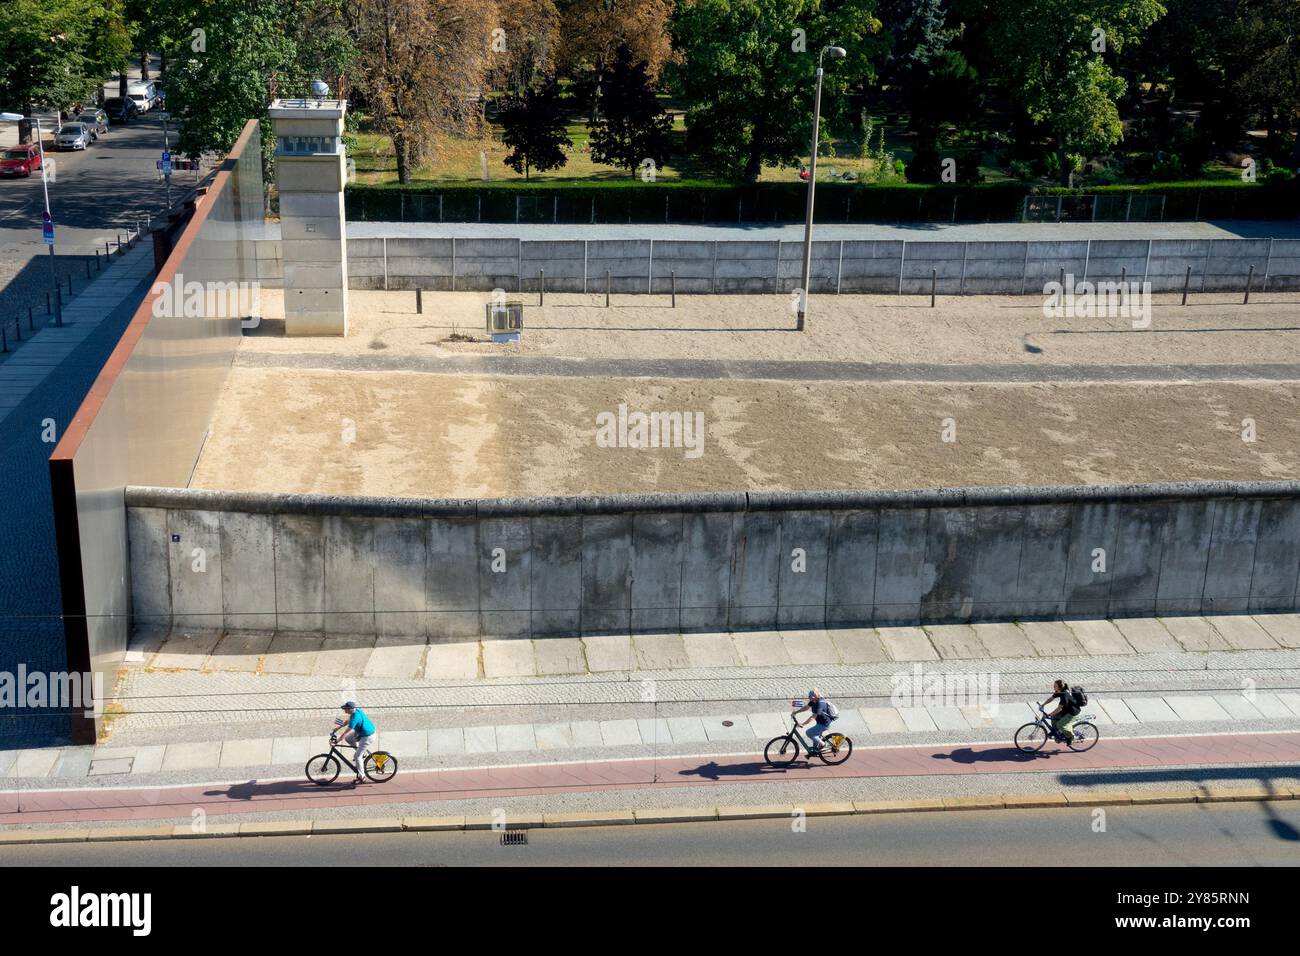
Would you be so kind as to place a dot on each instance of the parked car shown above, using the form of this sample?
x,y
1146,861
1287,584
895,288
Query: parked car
x,y
20,160
120,111
94,118
73,136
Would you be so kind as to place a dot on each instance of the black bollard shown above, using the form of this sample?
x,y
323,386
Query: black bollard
x,y
672,277
1249,276
1187,281
607,288
541,286
934,282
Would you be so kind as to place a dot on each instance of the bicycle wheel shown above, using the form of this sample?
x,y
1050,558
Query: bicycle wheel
x,y
781,751
1030,738
381,766
323,769
1085,736
835,749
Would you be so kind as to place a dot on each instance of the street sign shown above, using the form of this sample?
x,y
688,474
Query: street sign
x,y
47,229
165,116
166,163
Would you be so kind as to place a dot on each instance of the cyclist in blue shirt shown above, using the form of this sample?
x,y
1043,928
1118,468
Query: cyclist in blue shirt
x,y
360,733
823,712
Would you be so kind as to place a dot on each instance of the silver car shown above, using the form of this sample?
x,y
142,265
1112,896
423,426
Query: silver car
x,y
96,119
73,136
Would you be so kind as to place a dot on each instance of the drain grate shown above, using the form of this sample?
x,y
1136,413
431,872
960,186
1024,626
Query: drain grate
x,y
514,838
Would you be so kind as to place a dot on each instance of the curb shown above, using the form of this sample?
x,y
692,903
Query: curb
x,y
602,818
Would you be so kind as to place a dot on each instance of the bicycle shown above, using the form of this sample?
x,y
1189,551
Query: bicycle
x,y
324,769
1032,737
783,751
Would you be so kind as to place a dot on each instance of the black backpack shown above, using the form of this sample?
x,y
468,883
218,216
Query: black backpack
x,y
1078,698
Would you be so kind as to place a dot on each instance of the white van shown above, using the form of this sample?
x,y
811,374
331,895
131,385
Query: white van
x,y
144,94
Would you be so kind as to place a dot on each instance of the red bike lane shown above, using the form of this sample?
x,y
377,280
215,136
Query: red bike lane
x,y
130,804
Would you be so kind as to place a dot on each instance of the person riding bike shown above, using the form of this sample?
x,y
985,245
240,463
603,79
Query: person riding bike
x,y
360,732
823,713
1066,712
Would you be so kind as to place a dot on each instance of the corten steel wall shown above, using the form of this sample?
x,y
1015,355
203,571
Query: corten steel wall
x,y
425,568
146,417
838,266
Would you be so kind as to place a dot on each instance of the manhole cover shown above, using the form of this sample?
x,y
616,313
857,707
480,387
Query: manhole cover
x,y
726,723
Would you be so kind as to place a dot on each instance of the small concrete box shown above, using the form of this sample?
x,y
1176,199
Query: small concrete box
x,y
505,321
310,172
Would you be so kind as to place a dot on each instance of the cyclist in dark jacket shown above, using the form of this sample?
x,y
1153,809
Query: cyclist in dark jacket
x,y
1067,711
823,713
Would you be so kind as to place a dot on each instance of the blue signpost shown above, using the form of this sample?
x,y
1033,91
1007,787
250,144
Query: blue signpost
x,y
47,229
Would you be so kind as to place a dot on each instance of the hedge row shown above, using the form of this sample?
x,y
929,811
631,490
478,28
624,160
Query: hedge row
x,y
836,202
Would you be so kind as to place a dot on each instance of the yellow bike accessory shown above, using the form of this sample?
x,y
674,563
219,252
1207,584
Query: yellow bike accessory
x,y
379,761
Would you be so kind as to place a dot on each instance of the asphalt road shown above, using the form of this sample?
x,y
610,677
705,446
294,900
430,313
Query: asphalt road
x,y
1247,834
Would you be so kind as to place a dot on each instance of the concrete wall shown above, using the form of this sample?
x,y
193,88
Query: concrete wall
x,y
452,570
838,266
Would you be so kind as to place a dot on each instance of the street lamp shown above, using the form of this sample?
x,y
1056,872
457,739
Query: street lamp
x,y
837,53
45,184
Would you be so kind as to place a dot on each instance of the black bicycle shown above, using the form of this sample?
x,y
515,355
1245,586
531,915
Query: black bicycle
x,y
324,769
783,751
1032,737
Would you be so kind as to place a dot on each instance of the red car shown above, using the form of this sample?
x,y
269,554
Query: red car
x,y
20,160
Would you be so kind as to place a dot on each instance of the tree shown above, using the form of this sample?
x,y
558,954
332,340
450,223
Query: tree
x,y
534,129
53,52
633,126
526,45
423,66
1266,40
1048,55
746,74
593,30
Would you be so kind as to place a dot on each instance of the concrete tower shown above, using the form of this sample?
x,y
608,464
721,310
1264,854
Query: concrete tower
x,y
310,171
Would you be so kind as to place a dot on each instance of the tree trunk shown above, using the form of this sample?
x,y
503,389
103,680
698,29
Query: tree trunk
x,y
753,166
1063,158
595,96
402,151
144,65
121,82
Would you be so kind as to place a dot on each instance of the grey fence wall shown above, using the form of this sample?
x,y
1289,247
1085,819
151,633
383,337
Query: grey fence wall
x,y
838,266
455,570
146,417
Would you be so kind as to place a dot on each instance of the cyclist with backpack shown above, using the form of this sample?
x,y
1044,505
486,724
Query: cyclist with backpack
x,y
823,713
1071,702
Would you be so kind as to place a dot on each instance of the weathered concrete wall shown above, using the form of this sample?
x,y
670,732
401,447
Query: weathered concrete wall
x,y
451,570
838,266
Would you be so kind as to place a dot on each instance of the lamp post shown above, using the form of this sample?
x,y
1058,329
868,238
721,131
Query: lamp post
x,y
837,53
45,184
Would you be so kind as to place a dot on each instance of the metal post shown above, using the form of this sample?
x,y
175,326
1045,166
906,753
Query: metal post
x,y
47,303
419,302
69,287
1062,279
45,185
4,341
808,216
88,269
1187,280
541,286
607,288
30,325
18,330
98,267
1123,276
934,281
672,278
108,250
1249,276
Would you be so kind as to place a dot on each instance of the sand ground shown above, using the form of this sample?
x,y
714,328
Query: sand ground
x,y
286,423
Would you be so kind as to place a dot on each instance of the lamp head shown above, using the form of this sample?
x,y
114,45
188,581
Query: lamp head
x,y
836,52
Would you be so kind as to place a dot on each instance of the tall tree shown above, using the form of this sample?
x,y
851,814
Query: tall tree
x,y
423,66
524,43
747,75
53,53
633,126
534,129
593,30
1050,56
1266,40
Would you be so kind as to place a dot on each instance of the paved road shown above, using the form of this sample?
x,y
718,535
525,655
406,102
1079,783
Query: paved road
x,y
1255,834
